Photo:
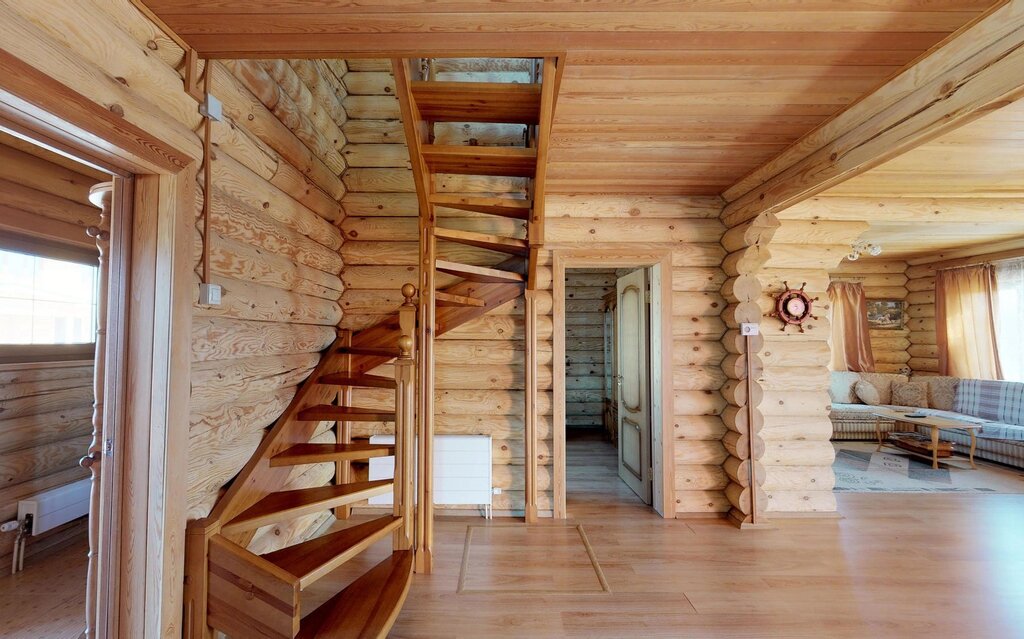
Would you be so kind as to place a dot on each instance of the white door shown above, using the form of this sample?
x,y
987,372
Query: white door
x,y
634,414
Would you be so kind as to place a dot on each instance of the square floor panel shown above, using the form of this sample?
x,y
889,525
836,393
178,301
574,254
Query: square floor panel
x,y
530,559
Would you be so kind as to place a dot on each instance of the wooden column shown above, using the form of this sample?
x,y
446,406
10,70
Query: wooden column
x,y
343,430
102,196
530,416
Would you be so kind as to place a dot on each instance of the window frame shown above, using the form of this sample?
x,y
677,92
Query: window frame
x,y
39,353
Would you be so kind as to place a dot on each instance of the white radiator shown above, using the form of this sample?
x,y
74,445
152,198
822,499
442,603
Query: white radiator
x,y
462,470
57,506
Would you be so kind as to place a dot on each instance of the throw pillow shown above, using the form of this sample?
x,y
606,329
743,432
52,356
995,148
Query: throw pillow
x,y
883,384
867,393
841,387
942,392
913,394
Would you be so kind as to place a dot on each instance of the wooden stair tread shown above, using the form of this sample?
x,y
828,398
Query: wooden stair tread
x,y
501,206
289,504
480,160
363,381
327,412
489,241
372,351
311,560
319,453
500,102
478,273
450,299
368,607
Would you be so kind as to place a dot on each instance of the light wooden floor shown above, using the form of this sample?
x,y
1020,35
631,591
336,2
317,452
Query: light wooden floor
x,y
47,599
936,566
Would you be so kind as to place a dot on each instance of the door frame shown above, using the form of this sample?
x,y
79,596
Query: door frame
x,y
148,348
662,443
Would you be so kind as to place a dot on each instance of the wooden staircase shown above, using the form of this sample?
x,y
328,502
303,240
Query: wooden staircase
x,y
424,102
235,591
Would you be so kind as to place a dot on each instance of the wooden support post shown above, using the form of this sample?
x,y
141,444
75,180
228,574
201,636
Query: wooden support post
x,y
102,196
343,430
425,485
530,421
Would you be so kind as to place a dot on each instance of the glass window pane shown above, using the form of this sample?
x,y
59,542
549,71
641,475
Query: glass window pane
x,y
46,301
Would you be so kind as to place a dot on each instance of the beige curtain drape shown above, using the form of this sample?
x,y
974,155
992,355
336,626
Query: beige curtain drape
x,y
851,339
965,322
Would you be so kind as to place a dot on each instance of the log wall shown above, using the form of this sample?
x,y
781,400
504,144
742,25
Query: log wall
x,y
45,408
584,346
883,280
923,343
274,205
798,455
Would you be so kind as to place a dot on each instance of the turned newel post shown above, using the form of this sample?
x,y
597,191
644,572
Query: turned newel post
x,y
100,195
405,421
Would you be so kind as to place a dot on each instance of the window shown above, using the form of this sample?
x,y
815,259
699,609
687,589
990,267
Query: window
x,y
46,301
1010,318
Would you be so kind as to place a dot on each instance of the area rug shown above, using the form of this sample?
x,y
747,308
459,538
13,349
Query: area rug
x,y
859,469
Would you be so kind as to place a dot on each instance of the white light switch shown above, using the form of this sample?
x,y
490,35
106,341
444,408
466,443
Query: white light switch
x,y
209,294
749,328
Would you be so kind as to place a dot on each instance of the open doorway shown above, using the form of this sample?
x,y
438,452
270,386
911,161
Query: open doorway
x,y
608,386
55,242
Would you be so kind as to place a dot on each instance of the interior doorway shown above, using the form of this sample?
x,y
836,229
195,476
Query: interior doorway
x,y
609,373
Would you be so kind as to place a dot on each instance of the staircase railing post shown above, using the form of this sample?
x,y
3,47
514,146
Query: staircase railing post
x,y
405,421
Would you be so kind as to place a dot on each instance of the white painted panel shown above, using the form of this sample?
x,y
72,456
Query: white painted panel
x,y
462,470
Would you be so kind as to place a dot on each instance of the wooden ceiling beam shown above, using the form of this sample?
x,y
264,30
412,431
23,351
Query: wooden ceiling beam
x,y
914,210
975,71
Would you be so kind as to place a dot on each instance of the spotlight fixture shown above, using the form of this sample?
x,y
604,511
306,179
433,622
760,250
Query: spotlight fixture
x,y
860,247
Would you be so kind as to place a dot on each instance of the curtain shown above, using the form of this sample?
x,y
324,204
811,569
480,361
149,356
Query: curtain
x,y
851,340
965,324
1010,318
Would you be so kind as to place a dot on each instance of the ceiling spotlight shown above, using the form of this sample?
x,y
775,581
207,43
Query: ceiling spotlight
x,y
859,248
874,250
853,256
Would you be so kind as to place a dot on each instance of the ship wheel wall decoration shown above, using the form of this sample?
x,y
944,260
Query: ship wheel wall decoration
x,y
793,307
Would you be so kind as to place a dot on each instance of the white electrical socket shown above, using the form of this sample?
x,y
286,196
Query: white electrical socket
x,y
749,328
209,294
10,526
497,491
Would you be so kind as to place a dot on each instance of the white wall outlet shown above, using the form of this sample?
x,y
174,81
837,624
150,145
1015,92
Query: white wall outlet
x,y
497,491
749,328
209,294
212,108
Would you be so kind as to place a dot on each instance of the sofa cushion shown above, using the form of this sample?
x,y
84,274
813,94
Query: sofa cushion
x,y
883,383
841,387
910,394
867,393
941,391
991,400
849,412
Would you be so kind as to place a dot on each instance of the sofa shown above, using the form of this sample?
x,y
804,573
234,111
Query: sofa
x,y
997,406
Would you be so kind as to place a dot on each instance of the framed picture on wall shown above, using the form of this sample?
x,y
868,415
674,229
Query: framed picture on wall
x,y
885,314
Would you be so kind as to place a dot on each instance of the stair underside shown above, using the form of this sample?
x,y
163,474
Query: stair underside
x,y
311,560
328,413
481,160
368,607
499,243
448,299
320,453
363,381
478,273
289,504
497,102
502,206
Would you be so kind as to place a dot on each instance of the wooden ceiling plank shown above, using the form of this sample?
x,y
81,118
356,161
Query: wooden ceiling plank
x,y
975,72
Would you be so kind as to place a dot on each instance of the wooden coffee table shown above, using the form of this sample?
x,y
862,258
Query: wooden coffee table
x,y
934,422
